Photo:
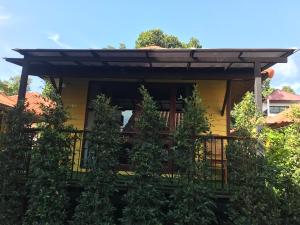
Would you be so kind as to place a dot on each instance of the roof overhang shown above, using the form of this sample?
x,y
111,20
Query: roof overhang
x,y
160,63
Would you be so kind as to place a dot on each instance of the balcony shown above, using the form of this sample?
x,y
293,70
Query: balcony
x,y
211,153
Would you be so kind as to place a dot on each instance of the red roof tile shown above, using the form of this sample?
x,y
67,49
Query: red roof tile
x,y
279,95
281,119
33,101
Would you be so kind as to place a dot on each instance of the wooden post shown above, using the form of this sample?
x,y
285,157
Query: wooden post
x,y
258,86
228,107
23,84
172,119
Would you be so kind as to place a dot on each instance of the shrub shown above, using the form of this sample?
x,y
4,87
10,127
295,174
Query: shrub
x,y
144,198
94,205
50,165
14,148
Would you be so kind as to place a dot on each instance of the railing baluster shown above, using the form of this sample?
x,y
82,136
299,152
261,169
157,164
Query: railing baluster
x,y
222,162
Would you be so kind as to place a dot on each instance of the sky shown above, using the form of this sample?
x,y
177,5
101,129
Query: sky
x,y
97,24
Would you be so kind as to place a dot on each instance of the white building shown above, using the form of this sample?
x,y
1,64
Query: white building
x,y
278,101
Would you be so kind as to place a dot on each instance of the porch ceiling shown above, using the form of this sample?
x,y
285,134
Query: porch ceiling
x,y
176,62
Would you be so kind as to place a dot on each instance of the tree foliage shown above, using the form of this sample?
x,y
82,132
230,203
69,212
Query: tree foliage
x,y
245,116
11,86
288,89
157,37
144,199
266,187
192,201
50,166
94,205
253,200
14,148
266,88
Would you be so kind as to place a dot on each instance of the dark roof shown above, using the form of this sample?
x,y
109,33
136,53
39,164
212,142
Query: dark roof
x,y
49,61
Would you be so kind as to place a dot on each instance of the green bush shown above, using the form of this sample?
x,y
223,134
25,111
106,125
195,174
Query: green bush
x,y
14,149
192,202
94,205
50,166
144,198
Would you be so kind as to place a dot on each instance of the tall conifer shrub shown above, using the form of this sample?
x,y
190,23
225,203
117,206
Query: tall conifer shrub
x,y
50,165
94,205
192,202
144,198
14,148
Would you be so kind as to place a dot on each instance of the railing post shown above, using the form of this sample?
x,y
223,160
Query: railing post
x,y
222,161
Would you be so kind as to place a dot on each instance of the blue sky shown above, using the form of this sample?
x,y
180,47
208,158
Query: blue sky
x,y
97,23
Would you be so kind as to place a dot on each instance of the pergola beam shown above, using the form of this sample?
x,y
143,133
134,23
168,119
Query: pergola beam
x,y
226,97
162,59
23,84
258,86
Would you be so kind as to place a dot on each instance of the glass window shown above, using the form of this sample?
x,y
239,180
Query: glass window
x,y
277,109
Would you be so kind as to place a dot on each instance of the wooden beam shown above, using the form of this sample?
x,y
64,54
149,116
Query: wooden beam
x,y
142,73
54,84
172,119
258,86
163,59
226,97
60,85
23,84
228,110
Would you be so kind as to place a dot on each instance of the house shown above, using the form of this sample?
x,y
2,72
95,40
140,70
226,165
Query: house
x,y
33,102
279,101
222,77
282,119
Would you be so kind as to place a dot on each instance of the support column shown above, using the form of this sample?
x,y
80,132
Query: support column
x,y
172,114
258,86
23,84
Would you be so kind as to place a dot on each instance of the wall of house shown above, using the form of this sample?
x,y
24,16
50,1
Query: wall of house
x,y
212,93
74,97
75,91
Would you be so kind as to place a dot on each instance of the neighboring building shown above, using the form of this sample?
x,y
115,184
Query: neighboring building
x,y
33,102
222,76
279,101
282,119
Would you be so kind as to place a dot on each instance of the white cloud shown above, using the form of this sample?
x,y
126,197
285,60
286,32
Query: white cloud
x,y
294,85
4,16
289,69
55,37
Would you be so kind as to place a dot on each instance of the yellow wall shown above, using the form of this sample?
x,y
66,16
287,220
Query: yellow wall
x,y
74,97
212,93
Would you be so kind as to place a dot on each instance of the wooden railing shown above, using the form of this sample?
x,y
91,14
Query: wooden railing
x,y
211,151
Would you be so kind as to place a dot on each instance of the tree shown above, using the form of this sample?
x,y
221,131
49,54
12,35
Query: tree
x,y
157,37
15,145
288,89
245,116
192,201
48,89
94,205
50,167
11,86
144,198
266,88
253,200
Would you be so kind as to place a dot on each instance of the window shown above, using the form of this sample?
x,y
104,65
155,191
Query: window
x,y
277,109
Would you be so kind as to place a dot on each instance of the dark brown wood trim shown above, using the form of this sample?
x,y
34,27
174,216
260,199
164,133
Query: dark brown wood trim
x,y
258,86
161,59
60,85
226,97
228,110
23,84
52,80
172,119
